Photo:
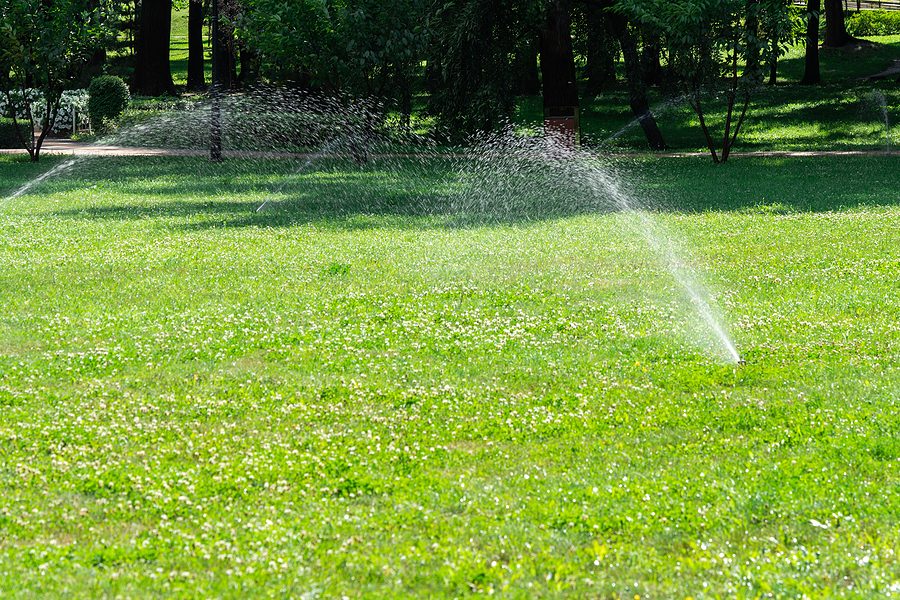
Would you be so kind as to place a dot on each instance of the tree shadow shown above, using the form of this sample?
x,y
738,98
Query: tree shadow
x,y
440,192
782,184
400,192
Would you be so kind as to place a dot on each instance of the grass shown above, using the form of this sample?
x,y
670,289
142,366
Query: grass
x,y
366,392
841,114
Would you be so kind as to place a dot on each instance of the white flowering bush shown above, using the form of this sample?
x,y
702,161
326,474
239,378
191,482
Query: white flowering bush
x,y
72,108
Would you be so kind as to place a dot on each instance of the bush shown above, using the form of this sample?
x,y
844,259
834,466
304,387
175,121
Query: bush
x,y
72,111
874,22
8,137
108,98
72,108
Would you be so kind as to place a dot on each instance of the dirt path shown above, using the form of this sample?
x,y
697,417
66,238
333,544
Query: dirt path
x,y
74,148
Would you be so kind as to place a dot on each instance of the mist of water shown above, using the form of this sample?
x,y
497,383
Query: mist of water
x,y
56,171
510,175
654,112
303,166
881,103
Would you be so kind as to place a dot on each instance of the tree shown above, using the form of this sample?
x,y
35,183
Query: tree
x,y
836,35
781,28
43,43
229,10
811,73
525,66
595,40
152,72
712,42
637,78
348,48
557,59
195,75
471,63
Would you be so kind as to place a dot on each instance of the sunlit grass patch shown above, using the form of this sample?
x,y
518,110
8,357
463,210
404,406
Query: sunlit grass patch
x,y
360,393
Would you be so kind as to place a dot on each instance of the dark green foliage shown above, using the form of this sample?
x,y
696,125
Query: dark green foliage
x,y
874,22
109,97
43,45
471,68
710,43
356,49
8,137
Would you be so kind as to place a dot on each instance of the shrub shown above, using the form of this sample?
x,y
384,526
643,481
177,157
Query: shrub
x,y
8,137
72,108
72,111
874,22
108,97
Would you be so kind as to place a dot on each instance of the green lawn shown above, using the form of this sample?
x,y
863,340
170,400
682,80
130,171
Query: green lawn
x,y
400,382
842,113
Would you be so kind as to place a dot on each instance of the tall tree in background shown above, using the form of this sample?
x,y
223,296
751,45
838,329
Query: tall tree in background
x,y
557,59
363,53
152,72
636,77
597,43
525,66
471,74
195,73
836,35
43,44
229,14
781,28
811,73
711,44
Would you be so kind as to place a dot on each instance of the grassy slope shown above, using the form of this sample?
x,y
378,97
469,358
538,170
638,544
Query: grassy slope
x,y
359,393
840,114
178,46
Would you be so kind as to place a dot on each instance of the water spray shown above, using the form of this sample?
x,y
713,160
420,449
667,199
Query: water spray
x,y
60,168
882,104
301,168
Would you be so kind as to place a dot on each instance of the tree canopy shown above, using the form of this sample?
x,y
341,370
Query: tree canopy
x,y
470,58
714,42
43,43
351,47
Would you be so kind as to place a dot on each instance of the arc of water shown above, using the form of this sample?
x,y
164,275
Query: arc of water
x,y
328,148
661,242
54,171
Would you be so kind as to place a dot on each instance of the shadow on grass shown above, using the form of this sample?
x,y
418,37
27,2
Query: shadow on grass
x,y
191,193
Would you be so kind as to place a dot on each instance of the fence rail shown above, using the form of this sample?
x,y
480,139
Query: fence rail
x,y
856,5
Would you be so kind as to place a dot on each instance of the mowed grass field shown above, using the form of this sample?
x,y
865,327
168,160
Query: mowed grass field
x,y
399,383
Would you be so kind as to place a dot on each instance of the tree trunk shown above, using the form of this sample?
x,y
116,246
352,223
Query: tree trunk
x,y
557,58
836,35
651,59
228,63
528,79
812,75
637,87
773,64
752,27
152,73
248,59
600,69
195,75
